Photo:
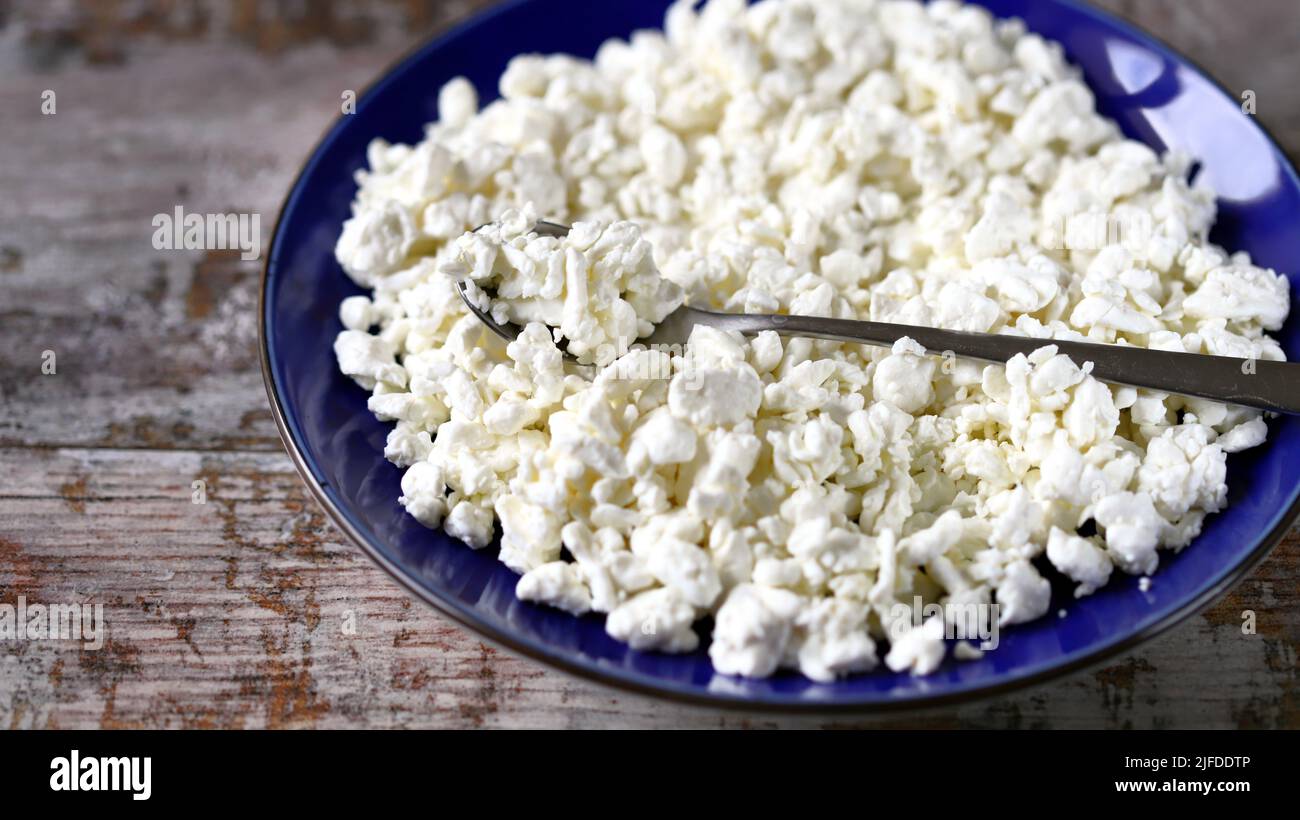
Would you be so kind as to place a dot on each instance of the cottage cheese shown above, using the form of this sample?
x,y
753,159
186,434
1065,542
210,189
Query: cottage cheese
x,y
893,161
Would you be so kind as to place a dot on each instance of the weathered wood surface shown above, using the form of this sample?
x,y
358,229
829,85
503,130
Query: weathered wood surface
x,y
231,613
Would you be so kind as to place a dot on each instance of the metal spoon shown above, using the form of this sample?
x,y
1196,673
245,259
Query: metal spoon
x,y
1258,383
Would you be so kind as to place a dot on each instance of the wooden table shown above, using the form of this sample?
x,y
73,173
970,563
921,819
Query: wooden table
x,y
233,613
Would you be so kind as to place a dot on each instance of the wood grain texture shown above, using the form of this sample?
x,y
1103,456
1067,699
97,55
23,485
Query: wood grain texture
x,y
235,612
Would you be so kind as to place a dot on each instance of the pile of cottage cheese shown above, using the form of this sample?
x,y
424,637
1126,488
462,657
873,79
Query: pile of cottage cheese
x,y
921,164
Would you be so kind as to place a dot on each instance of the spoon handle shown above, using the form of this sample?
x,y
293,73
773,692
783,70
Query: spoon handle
x,y
1258,383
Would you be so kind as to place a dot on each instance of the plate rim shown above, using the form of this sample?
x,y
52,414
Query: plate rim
x,y
620,681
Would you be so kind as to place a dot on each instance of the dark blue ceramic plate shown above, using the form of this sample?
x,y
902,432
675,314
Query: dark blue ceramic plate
x,y
1155,95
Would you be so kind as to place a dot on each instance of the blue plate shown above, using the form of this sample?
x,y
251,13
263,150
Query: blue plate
x,y
1155,95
